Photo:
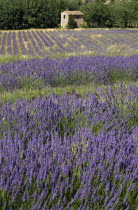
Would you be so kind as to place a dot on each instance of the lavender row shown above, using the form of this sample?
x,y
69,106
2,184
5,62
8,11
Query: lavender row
x,y
21,42
9,47
68,152
3,44
15,46
71,71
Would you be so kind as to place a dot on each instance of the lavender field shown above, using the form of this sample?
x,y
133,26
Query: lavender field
x,y
78,149
88,42
76,71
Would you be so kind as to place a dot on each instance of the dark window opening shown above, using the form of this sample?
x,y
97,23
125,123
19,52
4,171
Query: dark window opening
x,y
64,16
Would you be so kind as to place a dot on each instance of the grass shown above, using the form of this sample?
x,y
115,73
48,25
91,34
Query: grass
x,y
29,94
10,58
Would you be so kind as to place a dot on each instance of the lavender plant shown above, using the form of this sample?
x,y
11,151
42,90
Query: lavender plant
x,y
72,71
16,51
9,48
28,47
20,35
67,152
3,44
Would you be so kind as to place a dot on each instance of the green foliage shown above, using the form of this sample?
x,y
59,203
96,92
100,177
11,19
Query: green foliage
x,y
33,13
28,82
21,14
10,58
96,14
114,14
84,25
97,127
71,23
116,76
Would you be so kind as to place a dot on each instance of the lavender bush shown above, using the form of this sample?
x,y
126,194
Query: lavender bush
x,y
67,152
72,71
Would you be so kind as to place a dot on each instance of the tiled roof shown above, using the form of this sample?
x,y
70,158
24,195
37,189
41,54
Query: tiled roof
x,y
73,12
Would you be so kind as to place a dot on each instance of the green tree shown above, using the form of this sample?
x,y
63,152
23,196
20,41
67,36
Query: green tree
x,y
97,14
16,14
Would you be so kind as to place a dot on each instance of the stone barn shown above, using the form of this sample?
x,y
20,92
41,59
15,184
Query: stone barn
x,y
77,16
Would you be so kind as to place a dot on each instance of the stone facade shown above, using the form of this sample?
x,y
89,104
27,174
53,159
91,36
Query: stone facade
x,y
77,16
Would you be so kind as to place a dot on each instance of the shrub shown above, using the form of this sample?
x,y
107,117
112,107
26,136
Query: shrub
x,y
71,23
84,25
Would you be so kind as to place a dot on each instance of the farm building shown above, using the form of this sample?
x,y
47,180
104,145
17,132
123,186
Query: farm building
x,y
77,16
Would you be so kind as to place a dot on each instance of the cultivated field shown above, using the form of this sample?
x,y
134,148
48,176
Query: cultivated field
x,y
83,42
69,121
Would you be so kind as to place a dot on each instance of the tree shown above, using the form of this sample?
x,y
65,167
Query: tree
x,y
16,14
96,14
